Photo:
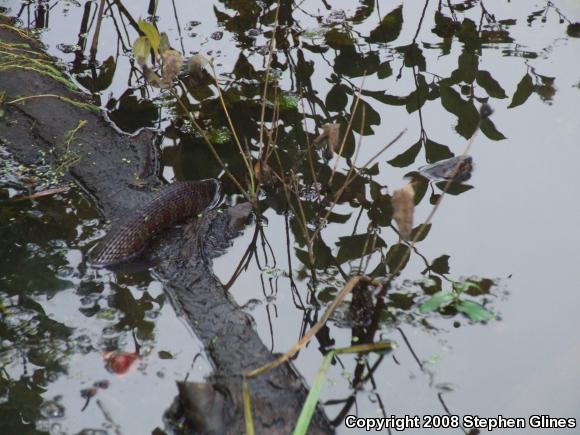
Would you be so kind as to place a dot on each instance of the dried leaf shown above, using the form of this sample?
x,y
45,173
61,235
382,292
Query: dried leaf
x,y
171,65
153,78
403,208
330,134
263,172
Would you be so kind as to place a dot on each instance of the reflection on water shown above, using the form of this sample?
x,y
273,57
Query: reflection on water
x,y
375,70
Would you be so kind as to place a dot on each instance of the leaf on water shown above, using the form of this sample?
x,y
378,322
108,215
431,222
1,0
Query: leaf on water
x,y
474,311
438,300
141,48
403,208
171,65
406,157
491,86
152,34
573,30
163,354
523,91
331,135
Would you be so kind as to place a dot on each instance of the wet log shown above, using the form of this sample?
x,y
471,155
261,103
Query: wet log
x,y
109,166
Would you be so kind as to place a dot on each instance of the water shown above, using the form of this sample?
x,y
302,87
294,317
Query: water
x,y
516,229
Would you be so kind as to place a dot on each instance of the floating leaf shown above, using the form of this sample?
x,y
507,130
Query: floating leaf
x,y
163,354
573,30
474,311
523,91
438,300
152,34
403,208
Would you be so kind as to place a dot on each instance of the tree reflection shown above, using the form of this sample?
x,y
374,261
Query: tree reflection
x,y
309,191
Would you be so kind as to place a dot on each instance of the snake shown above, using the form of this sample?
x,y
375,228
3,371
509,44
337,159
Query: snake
x,y
173,203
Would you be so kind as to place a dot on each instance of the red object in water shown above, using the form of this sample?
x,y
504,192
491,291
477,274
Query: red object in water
x,y
120,362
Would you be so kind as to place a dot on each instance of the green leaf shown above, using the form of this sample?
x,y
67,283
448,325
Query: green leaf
x,y
488,128
523,91
454,188
151,34
467,114
417,98
474,311
371,117
440,265
389,28
164,43
491,86
407,157
424,232
384,70
141,48
438,300
163,354
336,99
435,151
397,257
338,40
353,247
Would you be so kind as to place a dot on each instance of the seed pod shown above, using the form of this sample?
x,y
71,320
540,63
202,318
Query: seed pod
x,y
403,203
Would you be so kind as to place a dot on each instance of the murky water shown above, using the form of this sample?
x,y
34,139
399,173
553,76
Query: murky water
x,y
426,70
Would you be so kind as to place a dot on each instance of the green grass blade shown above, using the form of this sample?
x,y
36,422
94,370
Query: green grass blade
x,y
247,407
310,404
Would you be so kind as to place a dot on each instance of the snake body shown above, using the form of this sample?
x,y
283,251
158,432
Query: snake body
x,y
171,204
